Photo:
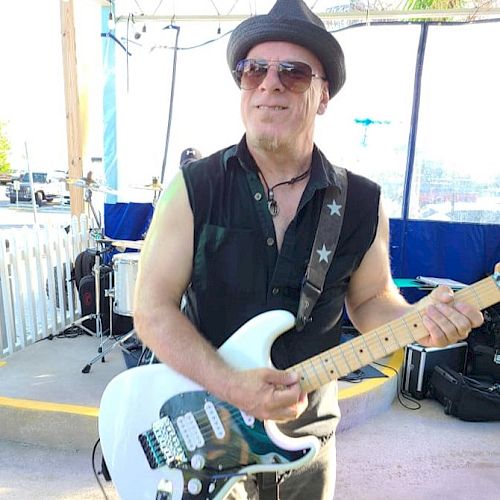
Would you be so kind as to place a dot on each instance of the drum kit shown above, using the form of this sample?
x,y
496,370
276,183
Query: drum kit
x,y
124,271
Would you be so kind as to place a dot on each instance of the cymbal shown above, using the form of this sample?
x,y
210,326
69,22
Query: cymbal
x,y
89,183
154,186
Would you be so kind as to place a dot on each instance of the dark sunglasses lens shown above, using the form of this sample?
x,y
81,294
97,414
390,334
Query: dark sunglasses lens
x,y
250,74
295,76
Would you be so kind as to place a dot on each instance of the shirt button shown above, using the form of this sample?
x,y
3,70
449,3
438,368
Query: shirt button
x,y
270,242
276,291
257,196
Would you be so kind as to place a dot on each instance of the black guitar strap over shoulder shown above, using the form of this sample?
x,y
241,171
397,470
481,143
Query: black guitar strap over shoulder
x,y
324,246
323,250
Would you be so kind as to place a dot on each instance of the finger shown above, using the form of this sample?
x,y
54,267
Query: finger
x,y
475,316
442,294
448,325
282,378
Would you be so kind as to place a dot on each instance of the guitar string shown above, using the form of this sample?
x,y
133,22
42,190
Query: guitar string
x,y
352,360
372,337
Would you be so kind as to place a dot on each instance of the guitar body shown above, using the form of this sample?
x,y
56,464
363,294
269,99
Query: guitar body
x,y
165,437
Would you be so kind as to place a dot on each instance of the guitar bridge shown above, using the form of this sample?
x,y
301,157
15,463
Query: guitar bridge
x,y
161,445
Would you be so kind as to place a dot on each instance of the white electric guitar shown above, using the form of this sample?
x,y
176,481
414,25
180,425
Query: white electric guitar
x,y
165,438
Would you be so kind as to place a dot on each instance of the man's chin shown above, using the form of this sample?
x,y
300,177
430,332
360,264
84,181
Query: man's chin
x,y
269,143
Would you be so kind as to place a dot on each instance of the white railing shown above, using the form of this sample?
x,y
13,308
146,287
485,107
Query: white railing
x,y
37,296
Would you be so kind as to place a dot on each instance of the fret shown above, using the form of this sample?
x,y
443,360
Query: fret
x,y
408,329
355,353
348,357
478,300
364,355
316,374
381,343
330,373
386,338
368,348
341,351
335,367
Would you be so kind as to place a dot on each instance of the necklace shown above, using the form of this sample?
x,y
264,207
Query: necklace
x,y
272,204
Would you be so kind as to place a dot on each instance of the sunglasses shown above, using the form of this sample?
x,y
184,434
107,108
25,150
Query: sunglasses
x,y
294,76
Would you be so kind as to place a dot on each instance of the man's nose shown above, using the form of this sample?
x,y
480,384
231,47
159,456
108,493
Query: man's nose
x,y
272,81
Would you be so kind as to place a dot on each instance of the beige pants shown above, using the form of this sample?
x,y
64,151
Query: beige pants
x,y
315,481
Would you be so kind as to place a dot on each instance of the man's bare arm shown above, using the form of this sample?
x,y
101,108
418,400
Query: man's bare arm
x,y
373,299
165,268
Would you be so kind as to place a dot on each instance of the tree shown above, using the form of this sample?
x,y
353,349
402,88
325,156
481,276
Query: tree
x,y
4,150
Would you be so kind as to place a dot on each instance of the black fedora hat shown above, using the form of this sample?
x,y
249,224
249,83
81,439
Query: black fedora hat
x,y
290,21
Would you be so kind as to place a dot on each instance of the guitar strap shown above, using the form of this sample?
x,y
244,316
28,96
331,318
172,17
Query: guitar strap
x,y
324,246
323,250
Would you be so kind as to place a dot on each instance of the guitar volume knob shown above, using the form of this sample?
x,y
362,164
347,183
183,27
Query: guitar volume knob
x,y
194,486
197,461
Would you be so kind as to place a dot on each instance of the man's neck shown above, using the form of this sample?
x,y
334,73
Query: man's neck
x,y
281,164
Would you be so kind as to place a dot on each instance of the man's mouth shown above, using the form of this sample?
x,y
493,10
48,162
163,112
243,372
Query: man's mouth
x,y
272,108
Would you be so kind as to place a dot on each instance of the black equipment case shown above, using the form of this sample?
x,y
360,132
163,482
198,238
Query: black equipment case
x,y
420,361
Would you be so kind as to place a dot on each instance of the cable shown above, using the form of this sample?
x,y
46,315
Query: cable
x,y
206,43
157,7
95,471
400,394
68,333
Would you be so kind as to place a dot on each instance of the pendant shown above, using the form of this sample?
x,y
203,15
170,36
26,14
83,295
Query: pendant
x,y
273,208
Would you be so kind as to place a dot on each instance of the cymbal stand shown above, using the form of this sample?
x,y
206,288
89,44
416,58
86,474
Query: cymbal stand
x,y
88,199
119,342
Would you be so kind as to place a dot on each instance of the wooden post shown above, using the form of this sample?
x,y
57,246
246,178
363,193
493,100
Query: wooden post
x,y
73,125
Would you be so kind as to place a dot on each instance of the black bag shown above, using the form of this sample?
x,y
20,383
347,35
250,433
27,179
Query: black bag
x,y
464,397
483,359
87,296
485,362
84,264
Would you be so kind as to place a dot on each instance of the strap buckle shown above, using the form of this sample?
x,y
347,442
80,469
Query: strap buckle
x,y
308,297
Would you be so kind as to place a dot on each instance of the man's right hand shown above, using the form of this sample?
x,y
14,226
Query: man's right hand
x,y
267,394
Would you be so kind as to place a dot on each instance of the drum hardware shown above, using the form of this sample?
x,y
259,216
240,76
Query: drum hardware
x,y
155,186
97,315
124,274
90,185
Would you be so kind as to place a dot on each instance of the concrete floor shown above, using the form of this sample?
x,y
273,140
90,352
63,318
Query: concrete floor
x,y
385,452
415,455
419,455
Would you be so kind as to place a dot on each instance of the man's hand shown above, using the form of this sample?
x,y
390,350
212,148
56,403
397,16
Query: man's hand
x,y
267,394
448,321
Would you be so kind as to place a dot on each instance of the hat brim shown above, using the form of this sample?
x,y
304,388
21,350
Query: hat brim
x,y
321,43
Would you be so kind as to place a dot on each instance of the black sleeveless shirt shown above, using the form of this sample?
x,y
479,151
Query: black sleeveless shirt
x,y
237,269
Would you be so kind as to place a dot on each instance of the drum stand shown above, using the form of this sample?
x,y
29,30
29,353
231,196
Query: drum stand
x,y
119,342
96,271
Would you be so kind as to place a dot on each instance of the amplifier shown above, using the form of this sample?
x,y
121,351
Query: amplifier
x,y
420,361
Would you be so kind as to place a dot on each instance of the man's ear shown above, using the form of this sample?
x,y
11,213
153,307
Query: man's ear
x,y
325,99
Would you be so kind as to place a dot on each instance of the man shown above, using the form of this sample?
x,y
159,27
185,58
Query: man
x,y
235,231
188,155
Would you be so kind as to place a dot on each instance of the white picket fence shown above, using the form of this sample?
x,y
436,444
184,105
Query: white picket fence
x,y
37,296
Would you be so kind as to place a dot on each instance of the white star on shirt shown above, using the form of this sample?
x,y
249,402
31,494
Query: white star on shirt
x,y
323,254
334,208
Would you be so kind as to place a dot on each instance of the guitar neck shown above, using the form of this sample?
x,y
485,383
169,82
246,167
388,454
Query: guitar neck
x,y
350,356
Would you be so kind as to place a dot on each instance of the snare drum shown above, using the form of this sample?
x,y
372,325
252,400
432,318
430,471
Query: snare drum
x,y
125,266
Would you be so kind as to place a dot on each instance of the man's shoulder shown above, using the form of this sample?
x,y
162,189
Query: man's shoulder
x,y
218,159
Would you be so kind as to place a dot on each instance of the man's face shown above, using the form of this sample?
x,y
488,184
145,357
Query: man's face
x,y
276,118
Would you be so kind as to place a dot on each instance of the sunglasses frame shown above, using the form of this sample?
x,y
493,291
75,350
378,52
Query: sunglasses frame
x,y
283,68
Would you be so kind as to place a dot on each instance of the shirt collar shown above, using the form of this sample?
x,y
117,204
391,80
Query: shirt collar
x,y
323,173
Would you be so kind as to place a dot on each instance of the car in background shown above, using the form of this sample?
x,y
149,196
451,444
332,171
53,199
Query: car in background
x,y
46,188
483,211
6,177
